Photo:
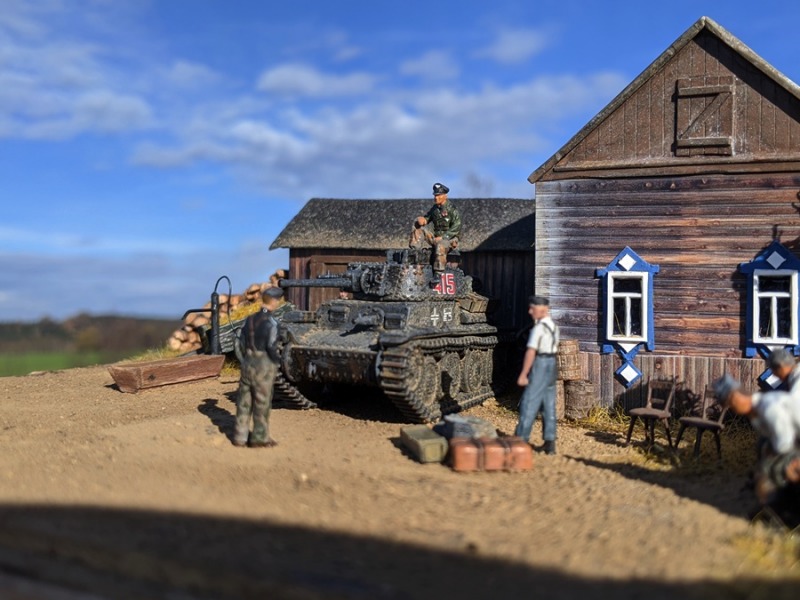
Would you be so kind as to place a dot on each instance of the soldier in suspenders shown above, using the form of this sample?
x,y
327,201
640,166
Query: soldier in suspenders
x,y
258,355
538,375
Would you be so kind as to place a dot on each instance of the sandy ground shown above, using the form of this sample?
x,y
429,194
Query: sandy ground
x,y
113,495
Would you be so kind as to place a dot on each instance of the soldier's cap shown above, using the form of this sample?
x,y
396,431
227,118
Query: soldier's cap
x,y
273,292
538,301
440,188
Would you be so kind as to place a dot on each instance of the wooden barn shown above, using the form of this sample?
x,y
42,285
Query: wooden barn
x,y
667,228
496,245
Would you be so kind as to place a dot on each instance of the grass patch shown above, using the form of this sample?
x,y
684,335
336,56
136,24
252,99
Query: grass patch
x,y
29,362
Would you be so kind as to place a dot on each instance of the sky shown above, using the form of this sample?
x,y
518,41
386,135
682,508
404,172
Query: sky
x,y
149,147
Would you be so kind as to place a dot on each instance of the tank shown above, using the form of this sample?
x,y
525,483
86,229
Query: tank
x,y
421,337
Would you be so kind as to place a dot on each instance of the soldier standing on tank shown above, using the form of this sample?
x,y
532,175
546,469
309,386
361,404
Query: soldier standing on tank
x,y
538,375
439,228
258,355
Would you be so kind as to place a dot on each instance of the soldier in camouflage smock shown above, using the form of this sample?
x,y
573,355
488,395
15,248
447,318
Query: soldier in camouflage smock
x,y
258,355
439,228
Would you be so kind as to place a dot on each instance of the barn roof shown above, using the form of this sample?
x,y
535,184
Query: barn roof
x,y
488,224
702,25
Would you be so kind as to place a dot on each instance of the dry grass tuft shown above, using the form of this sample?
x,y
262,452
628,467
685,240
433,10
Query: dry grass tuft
x,y
770,549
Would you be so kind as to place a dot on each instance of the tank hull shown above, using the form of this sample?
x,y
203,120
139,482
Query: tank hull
x,y
420,336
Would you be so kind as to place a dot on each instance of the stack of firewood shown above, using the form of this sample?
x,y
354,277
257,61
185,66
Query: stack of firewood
x,y
187,338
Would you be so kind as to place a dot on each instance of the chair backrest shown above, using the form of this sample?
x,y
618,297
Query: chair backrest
x,y
711,409
661,394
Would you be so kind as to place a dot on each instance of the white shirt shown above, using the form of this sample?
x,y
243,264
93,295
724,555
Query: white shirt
x,y
778,418
544,336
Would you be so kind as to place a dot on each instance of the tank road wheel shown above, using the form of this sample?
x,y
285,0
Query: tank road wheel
x,y
472,371
450,368
411,381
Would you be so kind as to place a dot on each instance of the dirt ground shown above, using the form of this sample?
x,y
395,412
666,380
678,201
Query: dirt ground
x,y
113,495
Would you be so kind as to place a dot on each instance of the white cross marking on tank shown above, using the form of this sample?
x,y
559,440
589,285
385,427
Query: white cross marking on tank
x,y
435,316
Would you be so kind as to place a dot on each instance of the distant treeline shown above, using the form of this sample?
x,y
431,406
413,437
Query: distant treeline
x,y
85,333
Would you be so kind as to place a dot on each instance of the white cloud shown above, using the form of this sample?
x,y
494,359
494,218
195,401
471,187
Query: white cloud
x,y
515,45
189,74
391,139
435,64
297,79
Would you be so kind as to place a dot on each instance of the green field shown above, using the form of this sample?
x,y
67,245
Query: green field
x,y
22,364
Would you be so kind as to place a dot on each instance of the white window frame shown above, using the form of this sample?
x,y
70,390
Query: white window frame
x,y
757,296
644,277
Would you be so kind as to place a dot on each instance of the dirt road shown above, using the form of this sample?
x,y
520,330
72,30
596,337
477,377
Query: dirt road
x,y
112,495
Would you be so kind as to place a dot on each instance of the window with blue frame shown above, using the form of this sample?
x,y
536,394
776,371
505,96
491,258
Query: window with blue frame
x,y
627,292
774,307
627,301
772,300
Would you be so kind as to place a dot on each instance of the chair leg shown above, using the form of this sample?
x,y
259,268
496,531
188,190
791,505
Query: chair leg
x,y
697,441
669,435
652,432
719,444
630,429
680,435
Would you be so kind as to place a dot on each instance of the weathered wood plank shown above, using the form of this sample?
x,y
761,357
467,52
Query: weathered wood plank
x,y
133,377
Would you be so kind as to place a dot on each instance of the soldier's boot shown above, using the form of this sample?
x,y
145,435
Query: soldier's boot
x,y
550,447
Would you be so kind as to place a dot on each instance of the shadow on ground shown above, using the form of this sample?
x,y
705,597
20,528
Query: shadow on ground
x,y
125,554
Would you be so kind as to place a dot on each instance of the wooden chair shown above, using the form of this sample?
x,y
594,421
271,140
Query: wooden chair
x,y
710,417
660,397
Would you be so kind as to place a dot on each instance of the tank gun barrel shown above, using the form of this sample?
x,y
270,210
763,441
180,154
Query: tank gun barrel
x,y
344,283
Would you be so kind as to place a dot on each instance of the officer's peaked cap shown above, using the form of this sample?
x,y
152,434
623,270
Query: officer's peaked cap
x,y
440,188
538,301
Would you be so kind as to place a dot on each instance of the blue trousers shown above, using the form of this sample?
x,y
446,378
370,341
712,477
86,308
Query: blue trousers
x,y
539,394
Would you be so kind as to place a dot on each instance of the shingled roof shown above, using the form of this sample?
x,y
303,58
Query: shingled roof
x,y
488,224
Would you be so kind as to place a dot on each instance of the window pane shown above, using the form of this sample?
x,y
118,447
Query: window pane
x,y
627,286
784,317
774,284
636,317
765,317
620,316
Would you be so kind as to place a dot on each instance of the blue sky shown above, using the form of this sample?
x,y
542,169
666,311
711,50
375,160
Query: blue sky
x,y
149,147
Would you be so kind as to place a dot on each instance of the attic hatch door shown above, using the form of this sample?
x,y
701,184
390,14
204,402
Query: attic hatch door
x,y
704,116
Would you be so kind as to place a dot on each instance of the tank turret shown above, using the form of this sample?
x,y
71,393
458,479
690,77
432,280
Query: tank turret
x,y
406,275
420,335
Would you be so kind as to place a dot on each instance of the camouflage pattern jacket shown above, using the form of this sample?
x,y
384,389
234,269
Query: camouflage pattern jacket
x,y
446,220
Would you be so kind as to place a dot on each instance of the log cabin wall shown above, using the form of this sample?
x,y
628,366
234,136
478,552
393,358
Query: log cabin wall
x,y
697,229
694,166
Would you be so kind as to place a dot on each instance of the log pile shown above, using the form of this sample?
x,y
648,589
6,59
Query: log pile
x,y
188,339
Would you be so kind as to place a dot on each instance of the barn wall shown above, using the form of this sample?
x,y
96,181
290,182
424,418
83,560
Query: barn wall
x,y
508,277
697,229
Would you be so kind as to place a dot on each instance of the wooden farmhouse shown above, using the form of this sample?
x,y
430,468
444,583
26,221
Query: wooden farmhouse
x,y
496,245
667,229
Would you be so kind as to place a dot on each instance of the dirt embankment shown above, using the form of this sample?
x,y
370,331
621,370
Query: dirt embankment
x,y
112,495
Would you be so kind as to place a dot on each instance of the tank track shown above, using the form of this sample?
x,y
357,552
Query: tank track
x,y
286,394
428,378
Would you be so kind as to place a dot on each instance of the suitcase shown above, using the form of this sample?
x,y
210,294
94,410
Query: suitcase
x,y
425,445
500,454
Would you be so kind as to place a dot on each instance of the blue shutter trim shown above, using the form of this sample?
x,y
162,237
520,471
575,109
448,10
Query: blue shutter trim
x,y
629,262
761,261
